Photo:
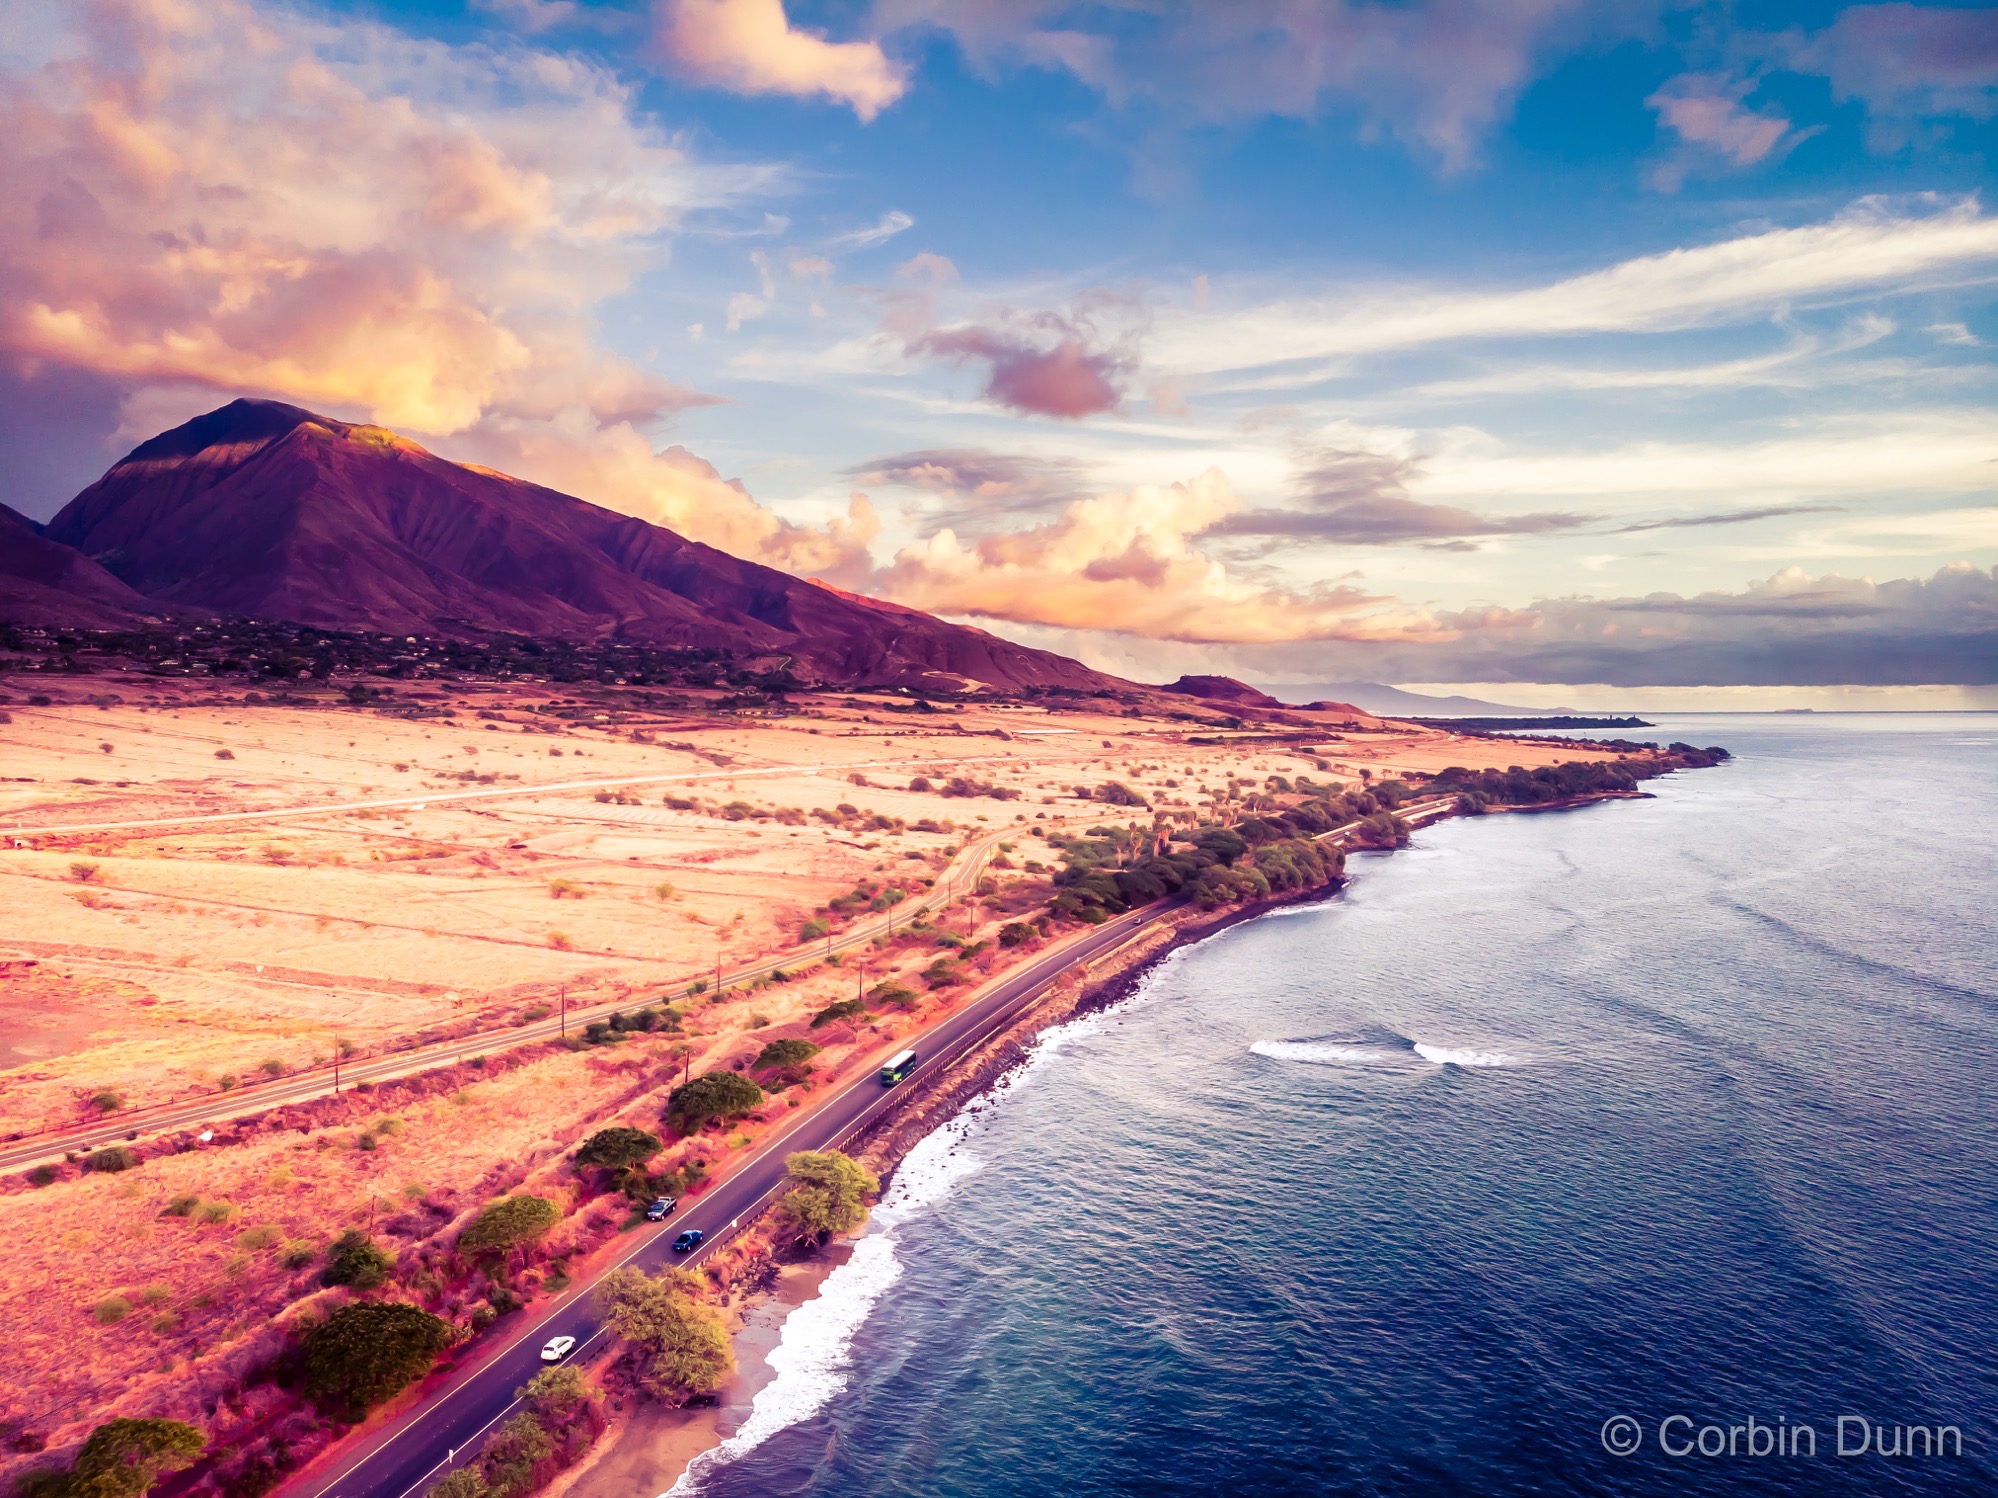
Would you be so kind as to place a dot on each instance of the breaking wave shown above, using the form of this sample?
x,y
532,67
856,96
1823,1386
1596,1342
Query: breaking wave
x,y
1317,1050
814,1353
1377,1047
1443,1056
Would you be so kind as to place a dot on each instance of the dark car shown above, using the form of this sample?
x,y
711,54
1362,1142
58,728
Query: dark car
x,y
660,1210
688,1240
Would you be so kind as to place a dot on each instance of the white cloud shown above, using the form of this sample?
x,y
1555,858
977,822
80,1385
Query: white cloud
x,y
891,223
1871,247
751,47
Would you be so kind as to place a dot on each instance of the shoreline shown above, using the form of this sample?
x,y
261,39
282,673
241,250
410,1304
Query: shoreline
x,y
934,1100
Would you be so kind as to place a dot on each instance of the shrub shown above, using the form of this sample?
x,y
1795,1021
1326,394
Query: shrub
x,y
356,1260
718,1095
42,1175
1015,934
225,754
181,1206
564,889
812,930
893,994
111,1310
617,1148
682,1344
298,1253
508,1223
216,1211
784,1055
844,1009
828,1193
111,1159
123,1459
466,1482
83,873
561,941
253,1239
367,1352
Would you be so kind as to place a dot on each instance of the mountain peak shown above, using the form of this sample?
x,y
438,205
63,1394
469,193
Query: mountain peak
x,y
272,511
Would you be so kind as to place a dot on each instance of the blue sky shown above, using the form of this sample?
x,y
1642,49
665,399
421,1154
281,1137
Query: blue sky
x,y
1621,352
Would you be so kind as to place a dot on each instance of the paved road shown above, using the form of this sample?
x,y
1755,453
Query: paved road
x,y
411,1453
959,878
416,1450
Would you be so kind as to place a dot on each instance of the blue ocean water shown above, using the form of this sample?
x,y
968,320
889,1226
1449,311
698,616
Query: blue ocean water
x,y
1673,1108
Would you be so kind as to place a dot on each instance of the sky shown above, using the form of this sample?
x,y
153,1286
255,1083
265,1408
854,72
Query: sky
x,y
1605,352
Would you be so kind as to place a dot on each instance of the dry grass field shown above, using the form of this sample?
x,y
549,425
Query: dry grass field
x,y
146,963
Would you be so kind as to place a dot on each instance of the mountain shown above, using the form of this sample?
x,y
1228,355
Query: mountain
x,y
273,512
1221,689
44,582
1375,697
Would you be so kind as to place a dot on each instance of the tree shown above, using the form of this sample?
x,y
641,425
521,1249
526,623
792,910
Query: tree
x,y
508,1223
512,1453
784,1055
828,1194
557,1393
123,1459
719,1094
681,1342
365,1353
354,1259
618,1148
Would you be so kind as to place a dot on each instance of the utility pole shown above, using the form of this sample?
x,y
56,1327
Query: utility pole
x,y
565,1012
336,1065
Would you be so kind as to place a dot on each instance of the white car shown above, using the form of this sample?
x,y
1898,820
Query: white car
x,y
557,1349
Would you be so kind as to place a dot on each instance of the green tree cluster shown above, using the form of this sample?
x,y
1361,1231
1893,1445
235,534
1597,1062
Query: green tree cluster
x,y
365,1353
356,1260
829,1193
509,1223
617,1148
563,1415
784,1055
717,1095
120,1459
680,1342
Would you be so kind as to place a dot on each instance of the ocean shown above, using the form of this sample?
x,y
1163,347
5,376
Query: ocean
x,y
1671,1117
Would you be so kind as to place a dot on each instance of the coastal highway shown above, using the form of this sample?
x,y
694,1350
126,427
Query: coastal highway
x,y
416,1449
958,878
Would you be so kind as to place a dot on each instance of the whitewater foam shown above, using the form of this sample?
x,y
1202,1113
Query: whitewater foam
x,y
813,1356
1316,1050
1443,1056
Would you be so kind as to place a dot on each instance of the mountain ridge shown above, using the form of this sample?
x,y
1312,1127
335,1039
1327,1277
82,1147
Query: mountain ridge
x,y
273,511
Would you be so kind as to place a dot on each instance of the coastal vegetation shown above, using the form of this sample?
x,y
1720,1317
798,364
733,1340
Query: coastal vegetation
x,y
561,1417
677,1343
1518,786
828,1193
